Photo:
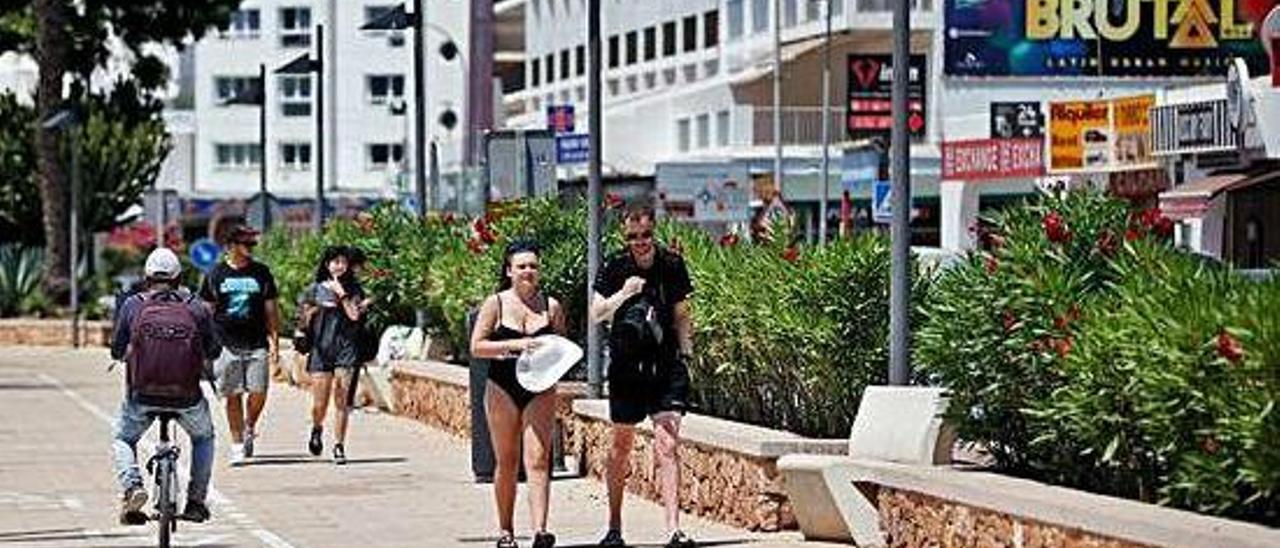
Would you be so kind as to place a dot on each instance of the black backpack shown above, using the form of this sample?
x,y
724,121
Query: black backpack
x,y
166,353
635,340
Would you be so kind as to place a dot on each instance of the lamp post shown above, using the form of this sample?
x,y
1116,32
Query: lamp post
x,y
900,201
305,64
66,120
826,122
398,19
595,370
255,94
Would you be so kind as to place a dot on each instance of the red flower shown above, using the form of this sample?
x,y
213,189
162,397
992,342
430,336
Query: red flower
x,y
1061,323
1132,234
992,264
379,273
613,201
1055,228
729,240
447,218
996,241
476,246
486,234
791,254
1229,347
1164,227
1074,313
1063,346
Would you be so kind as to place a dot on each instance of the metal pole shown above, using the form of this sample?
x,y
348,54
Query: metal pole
x,y
595,369
262,147
75,238
319,88
435,174
419,109
826,126
777,96
900,201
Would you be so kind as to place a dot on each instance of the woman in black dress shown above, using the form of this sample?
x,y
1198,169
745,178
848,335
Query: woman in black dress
x,y
509,323
333,307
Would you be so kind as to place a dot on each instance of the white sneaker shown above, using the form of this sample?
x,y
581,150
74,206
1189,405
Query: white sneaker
x,y
237,455
248,443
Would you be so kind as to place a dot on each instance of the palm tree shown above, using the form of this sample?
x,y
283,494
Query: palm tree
x,y
52,46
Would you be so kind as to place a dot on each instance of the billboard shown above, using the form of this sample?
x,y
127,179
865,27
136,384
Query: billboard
x,y
1015,120
869,109
988,159
720,192
1101,135
1097,38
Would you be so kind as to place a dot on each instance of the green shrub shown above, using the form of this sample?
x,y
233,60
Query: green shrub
x,y
1081,349
20,276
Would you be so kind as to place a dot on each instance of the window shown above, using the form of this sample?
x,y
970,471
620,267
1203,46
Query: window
x,y
722,128
682,134
295,156
759,16
237,155
295,94
837,8
668,38
878,6
373,13
228,87
704,130
383,155
736,11
381,87
690,27
633,48
581,66
295,27
564,64
711,29
244,24
534,74
614,57
650,43
550,61
813,9
790,13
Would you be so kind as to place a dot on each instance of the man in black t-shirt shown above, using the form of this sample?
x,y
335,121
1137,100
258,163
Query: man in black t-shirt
x,y
646,287
242,293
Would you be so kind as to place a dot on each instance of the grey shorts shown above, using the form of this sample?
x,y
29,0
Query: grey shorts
x,y
240,371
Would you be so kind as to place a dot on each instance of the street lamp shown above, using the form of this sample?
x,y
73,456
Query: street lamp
x,y
255,94
900,201
396,19
304,64
65,120
826,121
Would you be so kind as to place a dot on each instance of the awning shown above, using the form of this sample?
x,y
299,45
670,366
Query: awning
x,y
1192,199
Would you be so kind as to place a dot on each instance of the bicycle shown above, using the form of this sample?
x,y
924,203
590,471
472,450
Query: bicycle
x,y
163,465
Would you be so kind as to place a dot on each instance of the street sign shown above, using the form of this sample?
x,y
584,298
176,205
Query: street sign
x,y
204,254
560,119
574,148
881,207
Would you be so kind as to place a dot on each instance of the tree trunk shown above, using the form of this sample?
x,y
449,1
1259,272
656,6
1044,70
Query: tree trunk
x,y
51,56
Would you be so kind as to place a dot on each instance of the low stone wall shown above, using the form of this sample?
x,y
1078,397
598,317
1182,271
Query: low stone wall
x,y
434,394
728,470
39,332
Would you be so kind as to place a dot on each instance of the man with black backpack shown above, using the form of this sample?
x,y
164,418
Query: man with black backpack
x,y
165,335
644,292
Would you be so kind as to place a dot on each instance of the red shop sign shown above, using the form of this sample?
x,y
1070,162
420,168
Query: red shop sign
x,y
985,159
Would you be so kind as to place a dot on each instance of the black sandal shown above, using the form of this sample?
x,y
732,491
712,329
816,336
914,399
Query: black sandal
x,y
544,540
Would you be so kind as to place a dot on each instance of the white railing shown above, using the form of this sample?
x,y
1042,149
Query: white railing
x,y
800,125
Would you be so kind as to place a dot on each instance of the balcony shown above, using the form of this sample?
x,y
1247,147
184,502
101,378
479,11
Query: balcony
x,y
800,125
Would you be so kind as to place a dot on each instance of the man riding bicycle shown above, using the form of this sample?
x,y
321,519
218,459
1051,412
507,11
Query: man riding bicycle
x,y
165,335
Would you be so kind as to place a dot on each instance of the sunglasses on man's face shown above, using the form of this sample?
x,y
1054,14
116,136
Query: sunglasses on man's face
x,y
638,236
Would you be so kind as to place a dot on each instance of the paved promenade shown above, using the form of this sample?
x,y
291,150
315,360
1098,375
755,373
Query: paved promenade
x,y
406,485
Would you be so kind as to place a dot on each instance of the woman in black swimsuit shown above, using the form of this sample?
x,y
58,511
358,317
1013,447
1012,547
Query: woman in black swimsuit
x,y
508,324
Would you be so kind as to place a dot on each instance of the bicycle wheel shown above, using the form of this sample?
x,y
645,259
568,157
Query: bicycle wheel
x,y
164,499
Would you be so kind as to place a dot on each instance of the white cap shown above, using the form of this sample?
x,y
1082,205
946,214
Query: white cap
x,y
540,369
162,263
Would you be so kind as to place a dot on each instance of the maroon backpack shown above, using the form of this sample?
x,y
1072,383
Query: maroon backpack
x,y
166,356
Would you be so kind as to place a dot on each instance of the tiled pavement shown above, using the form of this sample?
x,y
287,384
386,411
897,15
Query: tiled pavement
x,y
406,485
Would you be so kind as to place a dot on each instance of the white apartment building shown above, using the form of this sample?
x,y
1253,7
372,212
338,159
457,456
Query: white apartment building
x,y
368,99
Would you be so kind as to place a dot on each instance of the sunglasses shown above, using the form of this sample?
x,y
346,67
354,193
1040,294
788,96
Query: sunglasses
x,y
637,236
249,245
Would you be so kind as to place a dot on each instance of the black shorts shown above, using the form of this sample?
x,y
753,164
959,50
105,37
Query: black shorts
x,y
631,400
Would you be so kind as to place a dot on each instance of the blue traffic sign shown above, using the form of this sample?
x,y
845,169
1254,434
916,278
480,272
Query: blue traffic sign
x,y
881,207
560,119
204,254
574,148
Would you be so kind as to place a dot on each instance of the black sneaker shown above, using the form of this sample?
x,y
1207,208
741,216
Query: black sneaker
x,y
508,541
196,512
131,503
339,454
316,444
613,539
681,540
544,540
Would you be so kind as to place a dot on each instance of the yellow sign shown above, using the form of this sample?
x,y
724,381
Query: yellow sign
x,y
1079,135
1133,131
